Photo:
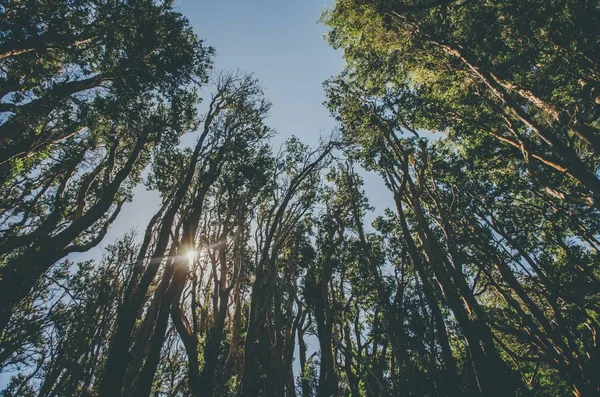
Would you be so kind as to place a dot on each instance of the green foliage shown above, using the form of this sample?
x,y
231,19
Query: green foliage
x,y
259,274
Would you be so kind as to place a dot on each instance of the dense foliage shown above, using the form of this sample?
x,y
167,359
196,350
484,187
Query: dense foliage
x,y
259,274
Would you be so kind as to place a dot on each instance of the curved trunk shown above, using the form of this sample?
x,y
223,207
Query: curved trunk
x,y
118,360
18,277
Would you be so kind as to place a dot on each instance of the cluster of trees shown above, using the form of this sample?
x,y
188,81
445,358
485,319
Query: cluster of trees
x,y
259,274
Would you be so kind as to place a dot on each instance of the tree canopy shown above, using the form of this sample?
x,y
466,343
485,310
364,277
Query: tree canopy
x,y
265,270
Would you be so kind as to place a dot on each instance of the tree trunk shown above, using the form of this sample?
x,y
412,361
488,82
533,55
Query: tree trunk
x,y
18,277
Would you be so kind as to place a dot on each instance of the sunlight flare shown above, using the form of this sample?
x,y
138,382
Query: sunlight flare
x,y
191,255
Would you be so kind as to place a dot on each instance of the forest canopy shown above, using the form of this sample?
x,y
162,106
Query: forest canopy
x,y
262,271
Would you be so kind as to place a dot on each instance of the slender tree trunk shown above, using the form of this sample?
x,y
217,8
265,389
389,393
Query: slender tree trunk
x,y
323,311
324,316
450,370
212,346
118,358
493,374
146,377
304,382
144,339
234,359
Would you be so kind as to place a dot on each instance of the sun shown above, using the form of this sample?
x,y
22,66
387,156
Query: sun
x,y
191,255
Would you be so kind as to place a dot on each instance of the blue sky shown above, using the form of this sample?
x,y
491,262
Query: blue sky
x,y
282,43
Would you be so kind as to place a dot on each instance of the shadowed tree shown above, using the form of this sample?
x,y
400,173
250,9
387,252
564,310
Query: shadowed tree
x,y
86,95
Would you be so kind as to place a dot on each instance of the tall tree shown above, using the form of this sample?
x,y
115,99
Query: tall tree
x,y
295,177
88,88
233,121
